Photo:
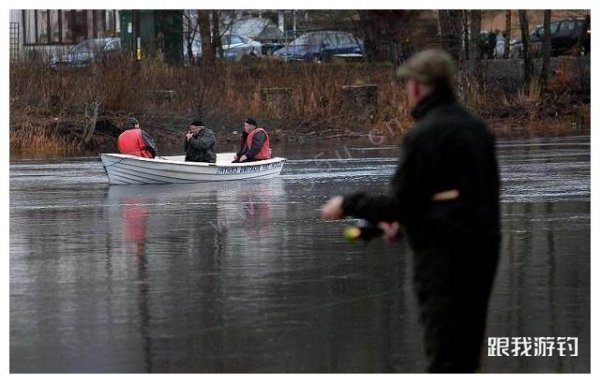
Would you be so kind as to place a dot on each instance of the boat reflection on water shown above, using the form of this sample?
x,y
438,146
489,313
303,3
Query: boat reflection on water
x,y
183,247
257,212
133,217
238,209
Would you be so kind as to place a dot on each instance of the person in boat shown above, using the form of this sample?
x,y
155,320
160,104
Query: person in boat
x,y
136,141
445,193
200,143
256,146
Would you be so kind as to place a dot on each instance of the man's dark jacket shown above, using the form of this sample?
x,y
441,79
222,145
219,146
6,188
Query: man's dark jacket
x,y
455,241
201,147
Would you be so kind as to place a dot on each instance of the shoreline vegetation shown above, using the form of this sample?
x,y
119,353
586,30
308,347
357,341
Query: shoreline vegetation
x,y
82,111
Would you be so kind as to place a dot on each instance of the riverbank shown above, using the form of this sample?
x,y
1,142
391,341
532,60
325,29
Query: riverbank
x,y
83,111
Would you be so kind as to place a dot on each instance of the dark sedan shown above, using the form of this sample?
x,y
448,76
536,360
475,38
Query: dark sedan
x,y
565,36
88,52
321,46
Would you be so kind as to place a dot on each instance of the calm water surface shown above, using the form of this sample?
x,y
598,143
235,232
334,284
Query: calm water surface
x,y
244,277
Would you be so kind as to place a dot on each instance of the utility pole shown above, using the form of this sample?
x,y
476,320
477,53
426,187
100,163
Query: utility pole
x,y
294,21
280,21
136,42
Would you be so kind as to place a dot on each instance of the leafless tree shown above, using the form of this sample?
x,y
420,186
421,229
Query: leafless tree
x,y
217,43
450,31
374,30
208,55
583,43
208,27
546,45
527,63
190,29
507,34
466,35
476,48
392,35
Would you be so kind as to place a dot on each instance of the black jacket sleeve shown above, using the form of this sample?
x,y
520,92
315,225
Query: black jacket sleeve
x,y
257,142
405,191
150,144
372,208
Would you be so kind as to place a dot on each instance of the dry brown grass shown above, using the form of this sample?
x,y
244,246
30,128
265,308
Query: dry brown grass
x,y
224,94
38,141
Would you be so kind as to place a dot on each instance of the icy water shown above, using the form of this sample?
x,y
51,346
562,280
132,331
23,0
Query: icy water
x,y
244,277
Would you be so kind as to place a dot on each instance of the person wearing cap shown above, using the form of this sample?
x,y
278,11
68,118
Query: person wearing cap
x,y
256,145
136,141
445,195
200,143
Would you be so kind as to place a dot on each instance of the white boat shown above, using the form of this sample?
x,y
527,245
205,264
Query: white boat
x,y
127,169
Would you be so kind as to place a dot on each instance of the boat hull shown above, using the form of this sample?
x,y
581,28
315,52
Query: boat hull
x,y
123,169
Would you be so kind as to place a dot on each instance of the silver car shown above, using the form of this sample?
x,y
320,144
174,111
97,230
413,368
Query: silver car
x,y
235,46
101,50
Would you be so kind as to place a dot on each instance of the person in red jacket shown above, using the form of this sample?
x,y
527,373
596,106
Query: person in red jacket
x,y
256,146
136,142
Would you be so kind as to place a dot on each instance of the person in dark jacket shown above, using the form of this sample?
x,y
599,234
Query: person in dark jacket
x,y
136,141
200,143
255,145
445,193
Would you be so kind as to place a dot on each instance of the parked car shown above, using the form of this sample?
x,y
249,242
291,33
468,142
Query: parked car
x,y
565,35
87,52
260,29
321,46
235,47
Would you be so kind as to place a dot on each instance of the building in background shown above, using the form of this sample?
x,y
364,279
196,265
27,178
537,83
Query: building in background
x,y
47,32
147,33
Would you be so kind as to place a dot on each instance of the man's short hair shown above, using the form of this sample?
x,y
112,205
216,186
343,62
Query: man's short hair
x,y
432,67
251,121
131,122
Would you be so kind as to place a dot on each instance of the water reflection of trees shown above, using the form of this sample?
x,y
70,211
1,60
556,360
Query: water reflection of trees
x,y
185,286
275,290
543,285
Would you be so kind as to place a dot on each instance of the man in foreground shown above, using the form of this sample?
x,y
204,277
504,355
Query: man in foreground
x,y
445,193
